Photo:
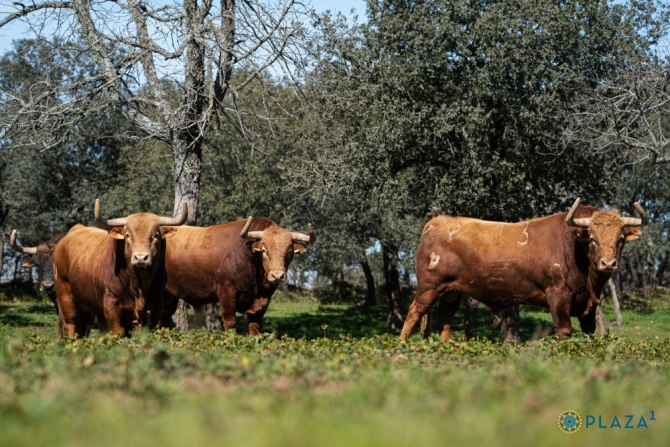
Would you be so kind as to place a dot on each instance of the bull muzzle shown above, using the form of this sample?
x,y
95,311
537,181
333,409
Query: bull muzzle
x,y
141,260
47,286
277,276
608,265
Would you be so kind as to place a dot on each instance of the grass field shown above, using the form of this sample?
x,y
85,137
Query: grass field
x,y
357,386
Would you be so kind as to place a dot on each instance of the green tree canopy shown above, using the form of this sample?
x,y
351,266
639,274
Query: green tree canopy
x,y
454,105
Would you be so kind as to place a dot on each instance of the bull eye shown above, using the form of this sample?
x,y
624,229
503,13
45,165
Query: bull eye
x,y
128,235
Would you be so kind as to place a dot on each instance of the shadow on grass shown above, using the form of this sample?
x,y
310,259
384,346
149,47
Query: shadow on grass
x,y
361,321
357,321
25,315
534,323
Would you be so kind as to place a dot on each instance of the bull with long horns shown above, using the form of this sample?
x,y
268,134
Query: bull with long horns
x,y
117,275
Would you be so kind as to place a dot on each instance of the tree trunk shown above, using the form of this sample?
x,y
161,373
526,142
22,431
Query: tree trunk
x,y
600,321
180,317
639,271
393,292
17,259
2,256
662,266
615,300
187,172
627,282
470,306
509,329
371,295
213,321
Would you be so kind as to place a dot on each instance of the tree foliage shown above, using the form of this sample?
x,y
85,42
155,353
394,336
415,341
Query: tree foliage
x,y
450,104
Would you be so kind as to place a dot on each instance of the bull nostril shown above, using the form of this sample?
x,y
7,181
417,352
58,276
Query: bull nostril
x,y
277,276
47,286
605,264
141,257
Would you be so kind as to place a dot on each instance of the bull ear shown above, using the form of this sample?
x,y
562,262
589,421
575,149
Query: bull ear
x,y
117,233
582,234
167,232
299,249
257,246
633,234
28,262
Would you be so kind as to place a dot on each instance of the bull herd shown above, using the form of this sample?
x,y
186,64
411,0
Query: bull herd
x,y
133,273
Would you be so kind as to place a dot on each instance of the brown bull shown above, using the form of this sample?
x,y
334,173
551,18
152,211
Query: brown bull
x,y
118,276
239,264
42,258
560,261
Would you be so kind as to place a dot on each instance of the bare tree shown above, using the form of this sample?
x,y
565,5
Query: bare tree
x,y
167,67
630,112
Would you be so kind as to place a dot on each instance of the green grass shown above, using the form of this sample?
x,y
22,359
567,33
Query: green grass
x,y
357,387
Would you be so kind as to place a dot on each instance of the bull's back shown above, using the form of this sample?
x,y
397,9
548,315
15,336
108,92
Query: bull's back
x,y
199,259
492,259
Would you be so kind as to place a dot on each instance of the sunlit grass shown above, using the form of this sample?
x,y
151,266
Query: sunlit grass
x,y
294,387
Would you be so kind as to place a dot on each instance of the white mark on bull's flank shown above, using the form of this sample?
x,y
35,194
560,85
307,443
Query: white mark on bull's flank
x,y
525,231
499,235
454,231
557,265
427,229
434,259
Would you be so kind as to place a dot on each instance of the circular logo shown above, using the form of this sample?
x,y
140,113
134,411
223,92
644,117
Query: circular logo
x,y
569,421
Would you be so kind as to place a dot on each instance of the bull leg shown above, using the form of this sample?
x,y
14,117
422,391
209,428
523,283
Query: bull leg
x,y
420,306
227,302
255,321
68,310
102,323
559,306
170,303
447,308
229,318
83,322
588,322
154,315
113,315
59,323
425,325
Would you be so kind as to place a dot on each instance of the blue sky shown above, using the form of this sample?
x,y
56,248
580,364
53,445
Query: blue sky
x,y
340,5
17,30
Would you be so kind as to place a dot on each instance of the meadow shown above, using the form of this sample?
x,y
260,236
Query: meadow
x,y
332,375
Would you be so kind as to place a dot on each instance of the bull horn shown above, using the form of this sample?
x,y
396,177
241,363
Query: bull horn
x,y
17,247
581,222
175,221
246,234
634,221
120,222
299,237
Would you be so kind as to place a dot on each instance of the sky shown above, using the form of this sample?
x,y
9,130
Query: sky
x,y
16,30
340,5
